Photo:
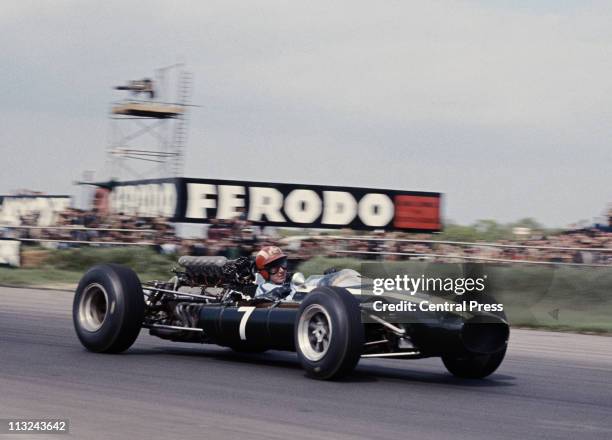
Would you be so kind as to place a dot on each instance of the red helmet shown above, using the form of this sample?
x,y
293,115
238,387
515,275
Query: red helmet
x,y
265,256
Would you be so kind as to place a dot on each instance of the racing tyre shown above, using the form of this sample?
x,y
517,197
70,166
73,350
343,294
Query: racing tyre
x,y
473,366
329,333
238,348
108,308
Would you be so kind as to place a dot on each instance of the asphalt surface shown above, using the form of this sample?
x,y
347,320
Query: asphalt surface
x,y
551,385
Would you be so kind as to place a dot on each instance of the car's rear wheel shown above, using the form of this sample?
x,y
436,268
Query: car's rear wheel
x,y
108,308
329,333
243,348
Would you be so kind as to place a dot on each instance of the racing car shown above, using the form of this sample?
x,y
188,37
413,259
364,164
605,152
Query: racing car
x,y
328,320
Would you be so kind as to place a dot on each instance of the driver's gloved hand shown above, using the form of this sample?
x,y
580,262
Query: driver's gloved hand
x,y
279,292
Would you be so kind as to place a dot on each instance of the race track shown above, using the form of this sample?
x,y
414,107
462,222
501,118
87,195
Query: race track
x,y
552,385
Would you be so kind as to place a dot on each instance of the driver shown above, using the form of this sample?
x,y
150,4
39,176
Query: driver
x,y
271,263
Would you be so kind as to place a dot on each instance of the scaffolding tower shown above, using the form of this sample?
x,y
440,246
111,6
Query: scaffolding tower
x,y
149,126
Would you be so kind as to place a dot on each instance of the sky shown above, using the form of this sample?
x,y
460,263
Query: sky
x,y
503,106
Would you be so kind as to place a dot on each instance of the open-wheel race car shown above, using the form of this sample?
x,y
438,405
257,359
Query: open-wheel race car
x,y
327,320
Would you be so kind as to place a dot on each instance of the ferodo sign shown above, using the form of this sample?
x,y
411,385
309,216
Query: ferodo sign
x,y
145,198
278,204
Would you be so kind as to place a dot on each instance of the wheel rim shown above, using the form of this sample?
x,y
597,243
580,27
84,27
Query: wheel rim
x,y
93,308
314,332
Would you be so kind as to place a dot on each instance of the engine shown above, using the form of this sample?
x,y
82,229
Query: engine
x,y
215,279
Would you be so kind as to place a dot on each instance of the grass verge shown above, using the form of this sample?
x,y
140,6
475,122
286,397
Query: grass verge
x,y
64,268
558,299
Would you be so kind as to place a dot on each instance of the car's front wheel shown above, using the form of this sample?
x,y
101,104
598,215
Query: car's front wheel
x,y
473,366
108,308
329,333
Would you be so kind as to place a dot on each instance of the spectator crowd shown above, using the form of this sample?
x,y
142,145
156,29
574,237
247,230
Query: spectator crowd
x,y
238,237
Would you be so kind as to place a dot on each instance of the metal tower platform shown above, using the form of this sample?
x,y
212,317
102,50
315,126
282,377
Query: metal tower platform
x,y
149,126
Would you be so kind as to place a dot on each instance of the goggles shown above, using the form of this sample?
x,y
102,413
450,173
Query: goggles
x,y
276,266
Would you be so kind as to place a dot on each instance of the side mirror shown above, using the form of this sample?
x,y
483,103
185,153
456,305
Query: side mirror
x,y
298,279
